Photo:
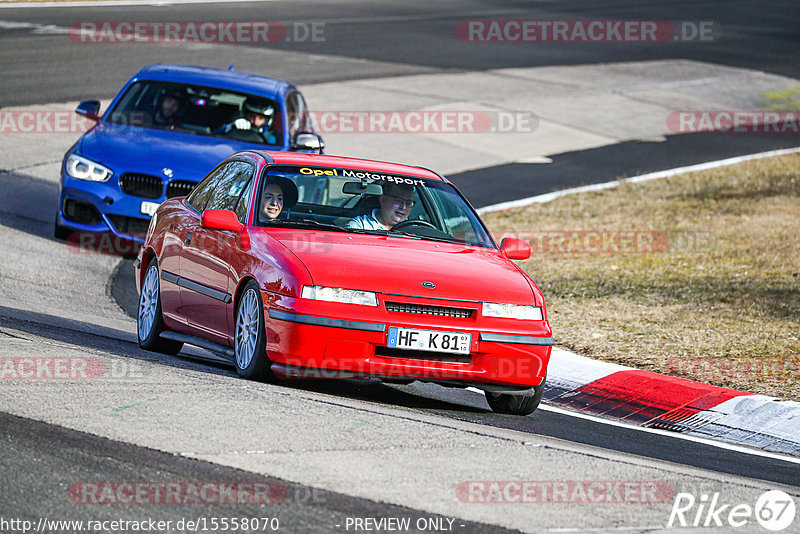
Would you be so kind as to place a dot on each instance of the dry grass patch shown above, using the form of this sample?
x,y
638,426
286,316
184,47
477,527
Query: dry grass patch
x,y
718,297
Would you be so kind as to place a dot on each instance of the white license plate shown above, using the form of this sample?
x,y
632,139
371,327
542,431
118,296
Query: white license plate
x,y
149,208
430,340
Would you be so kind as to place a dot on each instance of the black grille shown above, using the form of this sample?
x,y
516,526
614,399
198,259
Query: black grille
x,y
429,310
423,355
129,225
80,212
141,185
180,188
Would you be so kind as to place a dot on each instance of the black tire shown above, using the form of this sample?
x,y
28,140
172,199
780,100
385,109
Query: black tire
x,y
258,365
59,232
152,341
516,404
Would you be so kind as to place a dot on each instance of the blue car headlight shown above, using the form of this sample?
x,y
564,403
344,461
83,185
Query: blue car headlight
x,y
86,169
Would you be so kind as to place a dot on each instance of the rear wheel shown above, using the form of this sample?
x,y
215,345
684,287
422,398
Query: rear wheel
x,y
250,337
149,322
506,403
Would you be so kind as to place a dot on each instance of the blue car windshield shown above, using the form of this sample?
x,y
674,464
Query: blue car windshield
x,y
367,202
200,110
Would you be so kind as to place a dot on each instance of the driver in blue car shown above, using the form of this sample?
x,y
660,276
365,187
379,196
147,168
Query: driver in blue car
x,y
395,206
258,117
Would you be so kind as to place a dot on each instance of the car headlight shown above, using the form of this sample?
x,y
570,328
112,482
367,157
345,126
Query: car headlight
x,y
333,294
86,169
512,311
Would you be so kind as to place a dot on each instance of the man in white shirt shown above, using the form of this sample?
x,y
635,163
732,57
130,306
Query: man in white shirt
x,y
395,206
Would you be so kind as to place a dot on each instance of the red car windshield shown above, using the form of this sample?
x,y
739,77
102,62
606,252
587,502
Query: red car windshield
x,y
338,199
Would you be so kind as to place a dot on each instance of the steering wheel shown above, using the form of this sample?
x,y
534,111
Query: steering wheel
x,y
414,222
248,136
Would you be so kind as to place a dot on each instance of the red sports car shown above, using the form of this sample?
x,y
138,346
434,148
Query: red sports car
x,y
300,266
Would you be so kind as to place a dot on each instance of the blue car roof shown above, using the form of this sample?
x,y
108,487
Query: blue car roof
x,y
223,79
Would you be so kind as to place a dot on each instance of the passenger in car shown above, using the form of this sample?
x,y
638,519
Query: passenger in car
x,y
277,193
395,205
168,111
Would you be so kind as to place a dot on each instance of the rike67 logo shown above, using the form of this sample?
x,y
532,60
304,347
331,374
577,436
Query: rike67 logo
x,y
774,511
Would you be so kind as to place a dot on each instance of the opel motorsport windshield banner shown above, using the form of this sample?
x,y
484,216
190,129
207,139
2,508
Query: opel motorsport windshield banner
x,y
361,175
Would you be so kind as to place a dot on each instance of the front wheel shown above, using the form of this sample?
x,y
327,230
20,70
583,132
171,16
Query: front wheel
x,y
149,322
250,338
515,404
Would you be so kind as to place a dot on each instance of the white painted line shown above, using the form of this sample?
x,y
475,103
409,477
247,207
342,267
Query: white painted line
x,y
114,3
686,437
612,529
38,29
665,433
548,197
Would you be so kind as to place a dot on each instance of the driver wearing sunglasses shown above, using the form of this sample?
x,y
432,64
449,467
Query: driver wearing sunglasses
x,y
395,206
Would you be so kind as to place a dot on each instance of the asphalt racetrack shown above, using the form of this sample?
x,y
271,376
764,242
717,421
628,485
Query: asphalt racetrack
x,y
331,451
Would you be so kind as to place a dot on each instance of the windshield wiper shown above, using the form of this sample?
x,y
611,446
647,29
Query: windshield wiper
x,y
451,240
404,234
305,222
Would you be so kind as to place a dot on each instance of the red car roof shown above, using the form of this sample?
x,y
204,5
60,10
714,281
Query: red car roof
x,y
299,158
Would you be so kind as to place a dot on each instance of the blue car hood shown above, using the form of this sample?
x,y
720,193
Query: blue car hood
x,y
144,150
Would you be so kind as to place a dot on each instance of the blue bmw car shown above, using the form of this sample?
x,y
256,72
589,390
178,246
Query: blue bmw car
x,y
165,130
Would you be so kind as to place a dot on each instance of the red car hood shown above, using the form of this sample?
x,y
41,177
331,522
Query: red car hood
x,y
399,265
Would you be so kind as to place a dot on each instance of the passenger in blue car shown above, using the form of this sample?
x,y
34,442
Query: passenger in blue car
x,y
258,118
167,114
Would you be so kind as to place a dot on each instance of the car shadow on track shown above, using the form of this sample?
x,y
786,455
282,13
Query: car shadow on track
x,y
410,396
118,343
28,204
100,338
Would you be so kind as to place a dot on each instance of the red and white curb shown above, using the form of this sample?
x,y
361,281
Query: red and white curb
x,y
669,403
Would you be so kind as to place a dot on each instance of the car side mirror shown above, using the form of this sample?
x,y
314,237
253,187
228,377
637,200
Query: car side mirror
x,y
89,109
226,220
516,249
308,141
